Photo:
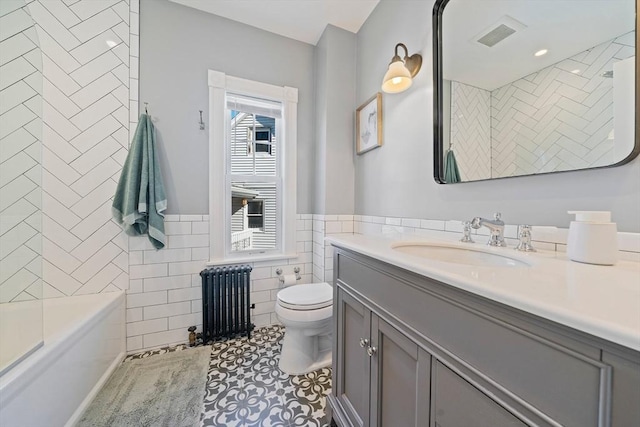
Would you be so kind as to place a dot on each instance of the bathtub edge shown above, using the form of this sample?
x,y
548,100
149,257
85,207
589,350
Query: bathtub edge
x,y
14,384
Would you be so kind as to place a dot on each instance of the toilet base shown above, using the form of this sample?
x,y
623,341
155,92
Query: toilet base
x,y
302,353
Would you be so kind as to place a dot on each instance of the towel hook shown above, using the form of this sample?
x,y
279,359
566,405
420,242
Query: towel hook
x,y
146,110
201,123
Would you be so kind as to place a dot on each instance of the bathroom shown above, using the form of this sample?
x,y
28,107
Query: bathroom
x,y
81,301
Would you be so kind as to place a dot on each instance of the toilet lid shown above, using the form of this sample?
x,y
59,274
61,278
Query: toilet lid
x,y
306,297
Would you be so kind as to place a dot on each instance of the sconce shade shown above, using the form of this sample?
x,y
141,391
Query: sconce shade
x,y
399,76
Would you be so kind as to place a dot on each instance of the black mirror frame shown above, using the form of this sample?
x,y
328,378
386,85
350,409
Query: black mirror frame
x,y
438,116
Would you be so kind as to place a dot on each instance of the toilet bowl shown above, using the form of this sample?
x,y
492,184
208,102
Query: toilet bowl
x,y
306,312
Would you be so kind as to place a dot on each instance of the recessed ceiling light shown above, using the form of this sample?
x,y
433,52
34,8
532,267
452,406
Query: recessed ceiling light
x,y
111,44
576,71
541,52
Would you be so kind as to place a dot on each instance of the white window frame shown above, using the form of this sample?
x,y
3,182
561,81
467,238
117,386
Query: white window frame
x,y
219,205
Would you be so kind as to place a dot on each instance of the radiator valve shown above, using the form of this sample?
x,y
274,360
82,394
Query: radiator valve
x,y
192,336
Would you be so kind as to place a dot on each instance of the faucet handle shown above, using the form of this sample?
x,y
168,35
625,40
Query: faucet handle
x,y
497,216
524,235
466,232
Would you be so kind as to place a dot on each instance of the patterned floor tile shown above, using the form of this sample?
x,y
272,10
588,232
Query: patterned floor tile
x,y
163,350
245,387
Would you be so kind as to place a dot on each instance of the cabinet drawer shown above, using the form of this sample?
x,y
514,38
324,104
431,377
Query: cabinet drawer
x,y
568,387
458,403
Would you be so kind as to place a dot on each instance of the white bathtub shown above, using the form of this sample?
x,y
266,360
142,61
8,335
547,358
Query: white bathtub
x,y
20,331
84,341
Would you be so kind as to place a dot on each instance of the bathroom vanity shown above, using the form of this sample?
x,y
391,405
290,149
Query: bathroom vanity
x,y
422,342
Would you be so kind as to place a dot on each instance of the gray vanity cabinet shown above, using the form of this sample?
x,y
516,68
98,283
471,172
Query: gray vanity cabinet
x,y
457,403
351,378
375,366
400,378
411,351
625,385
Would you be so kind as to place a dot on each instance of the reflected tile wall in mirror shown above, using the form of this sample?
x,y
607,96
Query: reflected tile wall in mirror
x,y
508,112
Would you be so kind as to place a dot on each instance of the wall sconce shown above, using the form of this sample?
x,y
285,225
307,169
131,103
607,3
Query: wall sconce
x,y
399,76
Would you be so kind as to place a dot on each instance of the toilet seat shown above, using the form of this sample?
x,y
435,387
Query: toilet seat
x,y
313,296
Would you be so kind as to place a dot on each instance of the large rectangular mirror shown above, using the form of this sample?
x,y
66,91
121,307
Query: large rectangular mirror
x,y
526,87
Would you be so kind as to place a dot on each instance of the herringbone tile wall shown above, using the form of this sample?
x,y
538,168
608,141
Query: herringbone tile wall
x,y
90,100
559,118
471,130
20,148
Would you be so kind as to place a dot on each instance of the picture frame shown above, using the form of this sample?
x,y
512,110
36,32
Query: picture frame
x,y
369,124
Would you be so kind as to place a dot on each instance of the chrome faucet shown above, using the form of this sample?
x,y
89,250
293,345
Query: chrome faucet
x,y
496,226
524,234
466,232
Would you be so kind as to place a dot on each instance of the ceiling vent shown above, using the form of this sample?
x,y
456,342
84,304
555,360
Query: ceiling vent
x,y
503,28
496,35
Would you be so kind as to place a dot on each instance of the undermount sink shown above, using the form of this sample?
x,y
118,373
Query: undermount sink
x,y
458,255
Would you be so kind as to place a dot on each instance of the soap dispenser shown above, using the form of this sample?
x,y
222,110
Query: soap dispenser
x,y
593,238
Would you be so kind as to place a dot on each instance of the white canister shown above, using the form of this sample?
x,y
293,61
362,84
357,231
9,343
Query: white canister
x,y
593,238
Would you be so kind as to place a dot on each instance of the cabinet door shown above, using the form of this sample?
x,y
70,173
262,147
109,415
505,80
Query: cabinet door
x,y
352,380
399,378
457,403
625,395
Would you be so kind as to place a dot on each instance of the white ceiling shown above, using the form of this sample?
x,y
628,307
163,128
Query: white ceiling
x,y
303,20
564,27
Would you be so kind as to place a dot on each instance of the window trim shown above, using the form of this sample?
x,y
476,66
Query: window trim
x,y
219,83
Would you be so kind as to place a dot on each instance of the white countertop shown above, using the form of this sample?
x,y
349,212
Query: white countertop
x,y
603,301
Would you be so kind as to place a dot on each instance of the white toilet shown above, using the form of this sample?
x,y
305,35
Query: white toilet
x,y
305,311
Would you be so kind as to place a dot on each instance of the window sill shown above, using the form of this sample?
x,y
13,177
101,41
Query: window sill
x,y
248,258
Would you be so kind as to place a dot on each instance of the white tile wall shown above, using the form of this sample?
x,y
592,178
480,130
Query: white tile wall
x,y
165,293
325,225
20,146
556,119
84,135
471,130
544,237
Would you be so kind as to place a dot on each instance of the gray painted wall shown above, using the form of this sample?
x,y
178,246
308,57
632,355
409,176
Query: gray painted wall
x,y
335,106
397,179
177,46
320,116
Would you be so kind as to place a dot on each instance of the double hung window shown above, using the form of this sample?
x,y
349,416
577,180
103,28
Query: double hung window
x,y
252,169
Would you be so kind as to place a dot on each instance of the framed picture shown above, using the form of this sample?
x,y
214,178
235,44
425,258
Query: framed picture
x,y
369,124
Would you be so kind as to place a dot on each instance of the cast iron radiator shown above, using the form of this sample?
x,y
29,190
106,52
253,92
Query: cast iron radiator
x,y
226,304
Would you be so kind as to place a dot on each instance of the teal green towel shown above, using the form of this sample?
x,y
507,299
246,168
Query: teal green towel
x,y
451,172
140,202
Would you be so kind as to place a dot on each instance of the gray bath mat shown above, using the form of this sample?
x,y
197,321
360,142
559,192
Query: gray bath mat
x,y
161,390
